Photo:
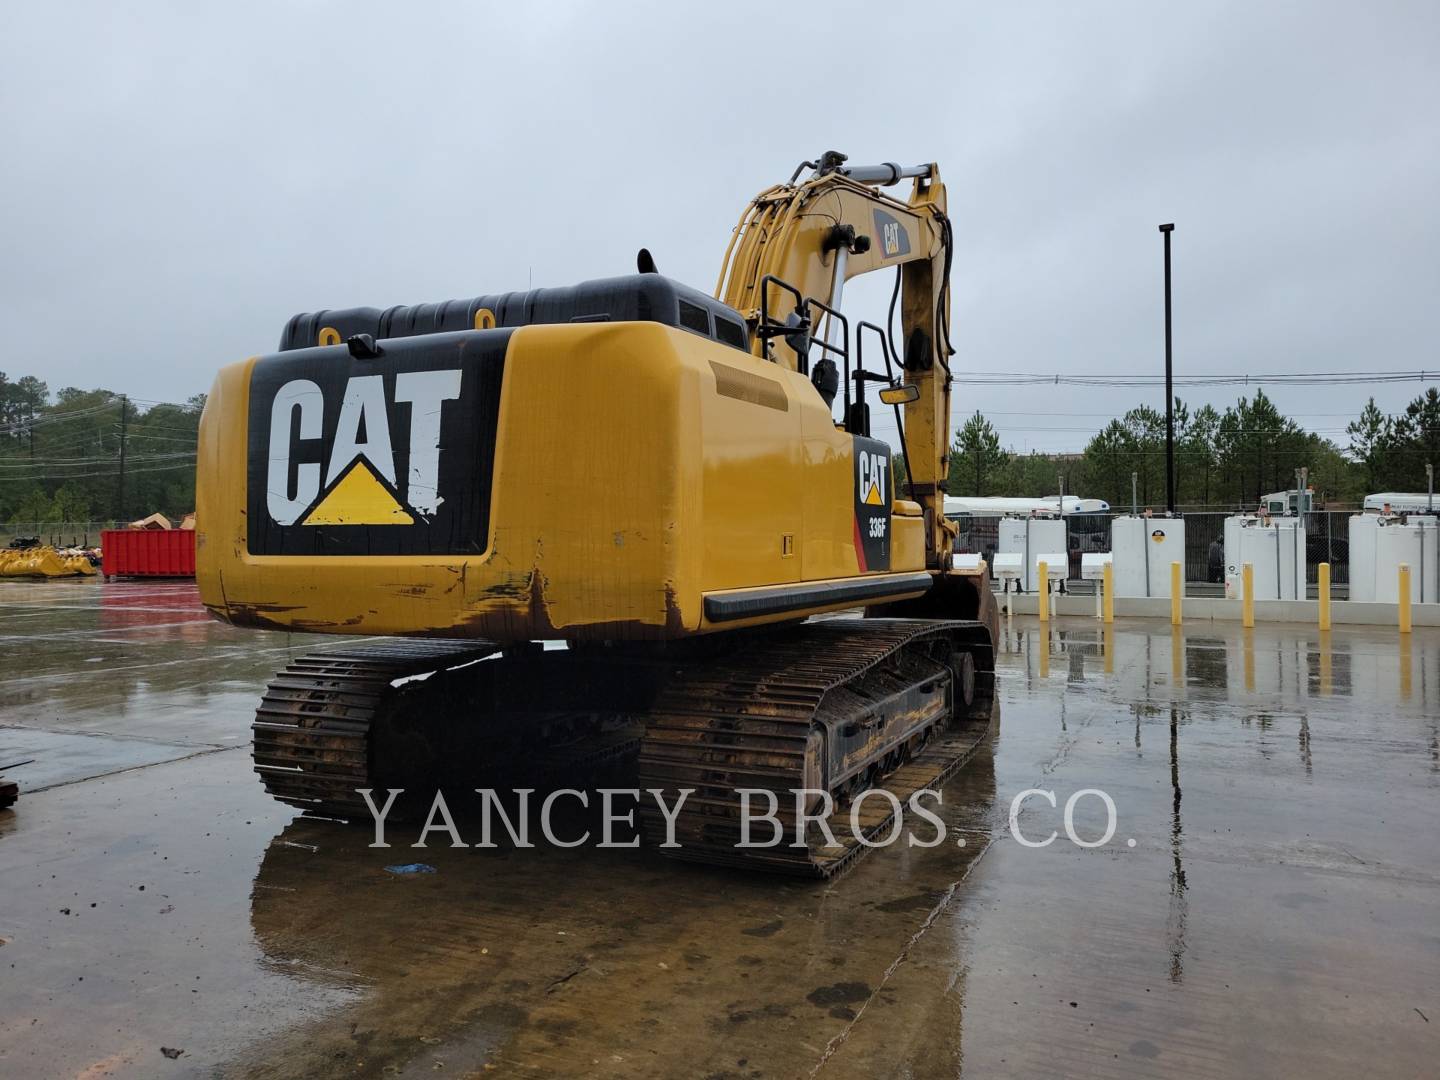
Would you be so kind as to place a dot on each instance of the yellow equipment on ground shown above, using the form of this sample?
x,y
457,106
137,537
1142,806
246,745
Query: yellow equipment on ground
x,y
46,562
670,482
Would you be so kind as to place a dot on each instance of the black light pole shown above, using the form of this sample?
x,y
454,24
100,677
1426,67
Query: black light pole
x,y
1169,386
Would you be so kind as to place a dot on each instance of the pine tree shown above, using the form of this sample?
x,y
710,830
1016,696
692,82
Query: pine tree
x,y
1370,438
1415,441
975,455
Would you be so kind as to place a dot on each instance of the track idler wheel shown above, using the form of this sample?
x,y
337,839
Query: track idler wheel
x,y
962,664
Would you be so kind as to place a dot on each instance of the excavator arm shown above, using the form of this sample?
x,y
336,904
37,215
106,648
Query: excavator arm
x,y
785,271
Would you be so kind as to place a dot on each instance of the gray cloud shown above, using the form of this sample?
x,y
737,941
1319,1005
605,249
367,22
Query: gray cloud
x,y
180,179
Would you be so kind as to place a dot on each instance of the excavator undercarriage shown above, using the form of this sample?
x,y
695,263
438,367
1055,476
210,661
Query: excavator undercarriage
x,y
813,714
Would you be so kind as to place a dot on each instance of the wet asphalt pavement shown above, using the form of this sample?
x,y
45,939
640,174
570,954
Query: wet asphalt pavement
x,y
1277,914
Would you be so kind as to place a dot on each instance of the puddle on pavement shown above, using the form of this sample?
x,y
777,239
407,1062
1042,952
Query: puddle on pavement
x,y
1277,912
574,962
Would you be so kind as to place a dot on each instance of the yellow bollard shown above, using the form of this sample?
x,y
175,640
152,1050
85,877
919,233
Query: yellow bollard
x,y
1177,593
1043,569
1404,598
1324,594
1107,586
1247,595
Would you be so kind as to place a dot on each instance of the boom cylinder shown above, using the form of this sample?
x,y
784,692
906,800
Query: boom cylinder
x,y
884,175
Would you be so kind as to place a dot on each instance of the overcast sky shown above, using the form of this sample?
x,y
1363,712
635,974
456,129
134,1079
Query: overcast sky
x,y
179,179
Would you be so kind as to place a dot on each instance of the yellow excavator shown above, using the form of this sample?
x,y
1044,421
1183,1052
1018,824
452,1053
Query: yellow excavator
x,y
682,489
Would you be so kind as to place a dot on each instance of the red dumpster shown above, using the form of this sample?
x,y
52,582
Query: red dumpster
x,y
147,553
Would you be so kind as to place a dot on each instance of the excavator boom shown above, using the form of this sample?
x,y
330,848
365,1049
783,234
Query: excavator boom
x,y
838,224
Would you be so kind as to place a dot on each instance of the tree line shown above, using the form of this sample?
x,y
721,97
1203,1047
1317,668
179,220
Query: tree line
x,y
1226,459
61,455
93,455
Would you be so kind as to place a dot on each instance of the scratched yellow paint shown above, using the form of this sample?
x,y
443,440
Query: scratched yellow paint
x,y
625,489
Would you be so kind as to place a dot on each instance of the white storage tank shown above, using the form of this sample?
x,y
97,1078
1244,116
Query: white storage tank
x,y
1274,547
1362,556
1378,545
1032,537
1142,550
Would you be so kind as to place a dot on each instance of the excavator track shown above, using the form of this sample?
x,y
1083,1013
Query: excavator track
x,y
319,722
751,720
894,703
314,724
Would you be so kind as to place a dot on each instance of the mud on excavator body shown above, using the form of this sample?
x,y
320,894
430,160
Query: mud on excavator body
x,y
611,464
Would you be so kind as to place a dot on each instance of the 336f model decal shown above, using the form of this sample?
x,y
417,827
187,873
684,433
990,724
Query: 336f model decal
x,y
872,504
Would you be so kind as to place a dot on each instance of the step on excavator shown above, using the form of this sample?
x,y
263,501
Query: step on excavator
x,y
621,520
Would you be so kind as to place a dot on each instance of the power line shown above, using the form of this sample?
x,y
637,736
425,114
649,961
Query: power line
x,y
192,432
164,438
85,469
66,445
151,406
45,419
90,463
1309,378
1228,431
162,468
128,472
1037,412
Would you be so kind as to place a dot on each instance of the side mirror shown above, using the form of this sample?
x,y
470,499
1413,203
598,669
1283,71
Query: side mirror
x,y
798,338
900,395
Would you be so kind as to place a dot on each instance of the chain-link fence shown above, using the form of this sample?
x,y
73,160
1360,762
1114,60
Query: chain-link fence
x,y
1327,539
56,533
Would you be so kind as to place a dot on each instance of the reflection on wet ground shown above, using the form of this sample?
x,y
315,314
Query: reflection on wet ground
x,y
1276,914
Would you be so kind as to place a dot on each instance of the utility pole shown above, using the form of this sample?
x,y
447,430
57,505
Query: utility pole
x,y
120,505
1259,464
1166,230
